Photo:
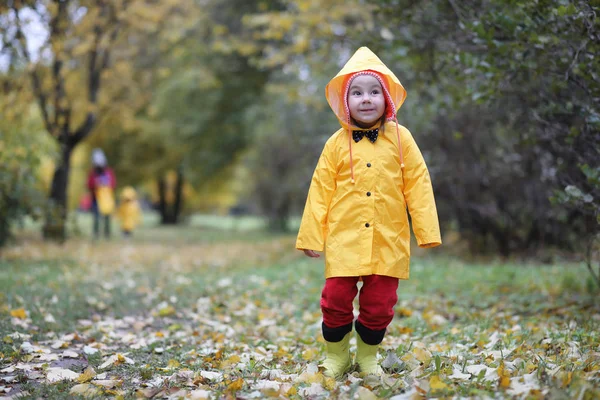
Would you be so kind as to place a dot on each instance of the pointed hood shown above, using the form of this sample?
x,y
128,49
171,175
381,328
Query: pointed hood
x,y
128,193
363,60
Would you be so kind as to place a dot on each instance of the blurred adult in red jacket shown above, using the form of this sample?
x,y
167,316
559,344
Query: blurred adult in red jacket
x,y
101,184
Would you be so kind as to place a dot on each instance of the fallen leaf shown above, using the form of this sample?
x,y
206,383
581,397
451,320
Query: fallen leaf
x,y
211,376
70,354
116,359
60,374
435,383
85,390
457,374
19,313
236,385
90,350
86,375
108,383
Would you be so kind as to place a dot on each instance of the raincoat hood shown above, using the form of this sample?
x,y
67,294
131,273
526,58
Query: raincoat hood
x,y
128,193
363,60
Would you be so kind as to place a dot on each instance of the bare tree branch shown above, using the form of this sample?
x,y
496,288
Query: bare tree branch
x,y
60,111
98,61
35,78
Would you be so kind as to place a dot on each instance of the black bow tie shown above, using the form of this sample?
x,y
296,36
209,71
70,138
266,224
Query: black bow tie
x,y
371,135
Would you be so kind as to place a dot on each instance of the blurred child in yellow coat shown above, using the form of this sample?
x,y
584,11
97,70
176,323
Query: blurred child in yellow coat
x,y
369,173
129,212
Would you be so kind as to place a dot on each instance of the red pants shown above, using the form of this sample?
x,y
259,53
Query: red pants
x,y
376,301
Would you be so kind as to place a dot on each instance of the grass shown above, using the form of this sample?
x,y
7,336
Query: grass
x,y
222,310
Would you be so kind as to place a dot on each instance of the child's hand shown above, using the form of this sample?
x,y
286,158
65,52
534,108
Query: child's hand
x,y
311,253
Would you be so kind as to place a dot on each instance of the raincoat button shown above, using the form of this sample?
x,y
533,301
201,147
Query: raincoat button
x,y
368,193
369,165
367,225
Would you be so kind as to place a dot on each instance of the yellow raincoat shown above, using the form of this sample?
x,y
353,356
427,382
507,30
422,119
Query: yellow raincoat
x,y
106,200
129,210
363,224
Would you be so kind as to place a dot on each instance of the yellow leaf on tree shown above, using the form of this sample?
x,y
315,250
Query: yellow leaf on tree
x,y
435,383
19,313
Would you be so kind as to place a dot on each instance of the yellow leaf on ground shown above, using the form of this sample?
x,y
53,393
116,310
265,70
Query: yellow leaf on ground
x,y
435,383
505,382
421,354
166,311
235,385
86,390
86,375
504,375
310,354
404,329
292,392
566,378
233,360
107,383
19,313
403,312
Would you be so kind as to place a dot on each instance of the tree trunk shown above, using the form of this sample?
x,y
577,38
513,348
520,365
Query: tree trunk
x,y
178,196
170,210
56,215
162,203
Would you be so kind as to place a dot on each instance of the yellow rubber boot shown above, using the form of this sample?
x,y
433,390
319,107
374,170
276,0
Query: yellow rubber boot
x,y
338,358
366,358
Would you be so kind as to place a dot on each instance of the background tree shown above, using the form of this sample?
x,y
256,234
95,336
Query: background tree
x,y
22,146
67,72
197,121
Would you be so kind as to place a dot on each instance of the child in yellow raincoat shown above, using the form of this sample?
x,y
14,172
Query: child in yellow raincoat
x,y
129,211
369,173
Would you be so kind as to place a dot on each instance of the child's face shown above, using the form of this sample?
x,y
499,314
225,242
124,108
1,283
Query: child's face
x,y
366,100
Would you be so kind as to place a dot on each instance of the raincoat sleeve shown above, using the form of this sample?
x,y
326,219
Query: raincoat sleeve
x,y
313,228
418,193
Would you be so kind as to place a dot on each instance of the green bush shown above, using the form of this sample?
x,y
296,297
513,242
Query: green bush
x,y
21,150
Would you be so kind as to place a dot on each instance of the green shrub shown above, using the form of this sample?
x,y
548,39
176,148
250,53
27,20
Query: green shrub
x,y
21,194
